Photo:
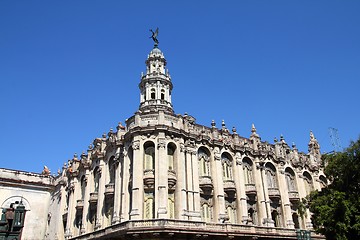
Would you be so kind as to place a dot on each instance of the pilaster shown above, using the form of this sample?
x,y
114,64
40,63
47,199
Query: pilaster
x,y
196,189
117,193
218,187
101,191
302,194
85,221
181,189
71,210
284,193
240,191
161,176
263,199
125,195
189,182
137,181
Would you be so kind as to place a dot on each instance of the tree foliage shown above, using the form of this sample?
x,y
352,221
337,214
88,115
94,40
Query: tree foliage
x,y
336,208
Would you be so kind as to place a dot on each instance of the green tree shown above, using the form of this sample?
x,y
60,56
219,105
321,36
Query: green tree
x,y
336,208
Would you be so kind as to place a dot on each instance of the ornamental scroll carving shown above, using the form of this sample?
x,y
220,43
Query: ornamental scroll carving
x,y
161,143
135,145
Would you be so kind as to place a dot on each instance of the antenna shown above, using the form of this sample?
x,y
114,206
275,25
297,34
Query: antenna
x,y
335,140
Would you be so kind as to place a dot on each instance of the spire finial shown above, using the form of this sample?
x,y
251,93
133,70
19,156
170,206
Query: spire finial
x,y
253,129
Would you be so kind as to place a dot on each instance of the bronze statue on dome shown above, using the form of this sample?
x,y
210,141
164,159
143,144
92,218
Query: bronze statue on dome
x,y
154,36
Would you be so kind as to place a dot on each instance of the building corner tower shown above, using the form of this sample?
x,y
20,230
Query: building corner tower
x,y
155,86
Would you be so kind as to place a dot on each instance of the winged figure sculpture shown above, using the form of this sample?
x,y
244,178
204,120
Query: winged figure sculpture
x,y
154,36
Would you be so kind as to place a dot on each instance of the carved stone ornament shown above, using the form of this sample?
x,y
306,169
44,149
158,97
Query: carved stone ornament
x,y
182,147
161,143
217,155
135,145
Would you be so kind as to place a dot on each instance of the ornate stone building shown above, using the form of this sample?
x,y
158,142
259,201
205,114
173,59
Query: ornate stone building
x,y
165,176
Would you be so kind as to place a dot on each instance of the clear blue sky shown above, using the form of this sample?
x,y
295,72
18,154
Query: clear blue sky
x,y
69,70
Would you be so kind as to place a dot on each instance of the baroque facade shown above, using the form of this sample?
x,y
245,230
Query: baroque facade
x,y
162,175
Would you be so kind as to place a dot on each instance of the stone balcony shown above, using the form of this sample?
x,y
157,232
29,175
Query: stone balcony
x,y
109,190
172,179
229,188
274,193
250,188
79,204
294,196
93,198
149,178
206,184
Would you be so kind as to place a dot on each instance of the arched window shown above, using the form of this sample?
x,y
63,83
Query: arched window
x,y
170,154
162,94
109,214
204,162
206,212
111,166
248,173
152,93
78,220
308,183
149,158
252,216
226,165
231,213
275,218
92,217
171,205
323,181
149,205
271,178
295,218
290,180
96,179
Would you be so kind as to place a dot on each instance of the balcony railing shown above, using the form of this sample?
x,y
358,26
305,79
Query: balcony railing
x,y
206,184
294,195
171,179
149,178
109,189
250,188
229,188
93,198
274,192
79,204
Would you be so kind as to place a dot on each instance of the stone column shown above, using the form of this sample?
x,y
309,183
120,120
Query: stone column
x,y
180,198
101,191
263,200
302,194
161,178
63,207
71,210
125,194
196,189
189,183
289,223
218,187
242,213
90,188
137,181
86,203
269,222
117,192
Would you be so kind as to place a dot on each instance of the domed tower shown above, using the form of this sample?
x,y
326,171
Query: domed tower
x,y
155,86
